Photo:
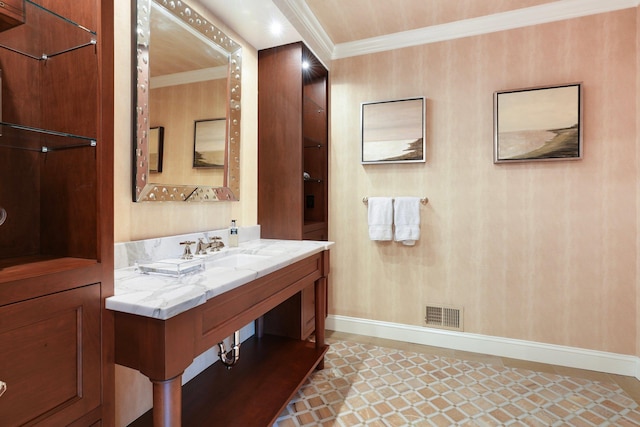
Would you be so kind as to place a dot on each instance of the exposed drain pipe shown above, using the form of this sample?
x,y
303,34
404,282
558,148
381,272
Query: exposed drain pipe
x,y
234,352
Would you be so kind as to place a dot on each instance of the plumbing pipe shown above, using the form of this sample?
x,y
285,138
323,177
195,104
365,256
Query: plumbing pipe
x,y
235,351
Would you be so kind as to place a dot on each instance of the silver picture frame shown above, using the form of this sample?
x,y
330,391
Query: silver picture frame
x,y
393,131
538,124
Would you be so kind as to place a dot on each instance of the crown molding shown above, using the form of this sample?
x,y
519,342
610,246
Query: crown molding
x,y
305,22
545,13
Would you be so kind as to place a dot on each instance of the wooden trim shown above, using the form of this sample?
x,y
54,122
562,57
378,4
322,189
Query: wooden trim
x,y
105,198
52,276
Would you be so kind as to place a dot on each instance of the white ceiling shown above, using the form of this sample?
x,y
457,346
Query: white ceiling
x,y
252,20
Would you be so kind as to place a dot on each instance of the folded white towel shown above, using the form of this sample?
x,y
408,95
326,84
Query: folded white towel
x,y
380,218
407,219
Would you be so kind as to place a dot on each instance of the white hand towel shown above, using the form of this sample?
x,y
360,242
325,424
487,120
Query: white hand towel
x,y
380,218
407,219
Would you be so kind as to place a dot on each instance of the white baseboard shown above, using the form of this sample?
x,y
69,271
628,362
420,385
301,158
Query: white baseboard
x,y
573,357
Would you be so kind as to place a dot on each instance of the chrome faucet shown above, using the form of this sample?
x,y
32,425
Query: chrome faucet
x,y
215,245
187,249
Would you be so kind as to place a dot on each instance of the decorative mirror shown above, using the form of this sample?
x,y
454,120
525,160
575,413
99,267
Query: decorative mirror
x,y
188,72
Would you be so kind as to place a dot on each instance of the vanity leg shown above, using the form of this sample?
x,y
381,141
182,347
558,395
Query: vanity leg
x,y
320,312
259,325
167,402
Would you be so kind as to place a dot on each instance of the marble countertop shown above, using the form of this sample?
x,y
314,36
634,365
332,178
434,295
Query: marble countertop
x,y
162,296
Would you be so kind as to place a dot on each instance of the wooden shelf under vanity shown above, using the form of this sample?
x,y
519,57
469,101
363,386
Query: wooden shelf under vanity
x,y
270,371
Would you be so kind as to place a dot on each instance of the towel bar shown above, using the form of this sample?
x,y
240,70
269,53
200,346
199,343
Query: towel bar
x,y
423,200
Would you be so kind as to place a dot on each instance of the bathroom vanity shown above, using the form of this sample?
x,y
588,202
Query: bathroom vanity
x,y
162,323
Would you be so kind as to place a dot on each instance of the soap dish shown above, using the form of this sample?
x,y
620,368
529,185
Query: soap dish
x,y
170,267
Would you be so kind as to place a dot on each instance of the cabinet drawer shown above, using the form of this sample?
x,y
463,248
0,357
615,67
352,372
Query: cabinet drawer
x,y
50,357
11,13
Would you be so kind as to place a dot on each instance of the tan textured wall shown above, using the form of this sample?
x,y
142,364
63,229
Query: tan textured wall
x,y
188,102
535,251
637,181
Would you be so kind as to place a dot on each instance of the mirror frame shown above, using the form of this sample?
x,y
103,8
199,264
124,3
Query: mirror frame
x,y
148,191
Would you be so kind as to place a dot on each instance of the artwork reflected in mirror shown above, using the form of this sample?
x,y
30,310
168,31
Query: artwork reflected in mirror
x,y
156,144
208,143
187,70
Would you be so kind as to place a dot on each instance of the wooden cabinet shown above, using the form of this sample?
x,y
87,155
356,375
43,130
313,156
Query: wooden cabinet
x,y
11,13
292,144
56,187
50,358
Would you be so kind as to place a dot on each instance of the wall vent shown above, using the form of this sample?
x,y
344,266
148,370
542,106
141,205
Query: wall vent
x,y
445,317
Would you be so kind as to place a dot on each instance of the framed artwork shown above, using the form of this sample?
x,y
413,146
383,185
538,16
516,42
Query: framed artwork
x,y
209,143
538,124
393,131
156,148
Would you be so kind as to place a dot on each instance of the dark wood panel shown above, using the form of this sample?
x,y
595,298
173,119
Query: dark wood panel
x,y
105,197
69,177
11,14
294,318
36,277
254,392
69,229
84,12
50,357
19,176
315,87
280,153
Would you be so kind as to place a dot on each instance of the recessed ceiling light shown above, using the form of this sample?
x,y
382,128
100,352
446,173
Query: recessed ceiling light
x,y
276,28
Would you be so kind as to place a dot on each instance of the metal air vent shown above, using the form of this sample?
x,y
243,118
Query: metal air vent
x,y
444,317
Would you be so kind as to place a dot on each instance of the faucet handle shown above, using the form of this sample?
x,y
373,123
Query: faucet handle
x,y
216,243
187,249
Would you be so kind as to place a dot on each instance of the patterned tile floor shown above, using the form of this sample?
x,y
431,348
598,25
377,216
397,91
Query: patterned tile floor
x,y
371,382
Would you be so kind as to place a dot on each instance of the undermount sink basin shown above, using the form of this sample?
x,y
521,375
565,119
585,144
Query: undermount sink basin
x,y
237,260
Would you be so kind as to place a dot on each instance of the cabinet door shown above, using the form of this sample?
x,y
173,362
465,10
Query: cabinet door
x,y
50,358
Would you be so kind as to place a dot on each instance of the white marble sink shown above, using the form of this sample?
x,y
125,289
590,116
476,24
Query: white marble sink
x,y
233,260
162,296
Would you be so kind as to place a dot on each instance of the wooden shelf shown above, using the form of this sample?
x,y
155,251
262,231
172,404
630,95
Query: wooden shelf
x,y
254,392
26,267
